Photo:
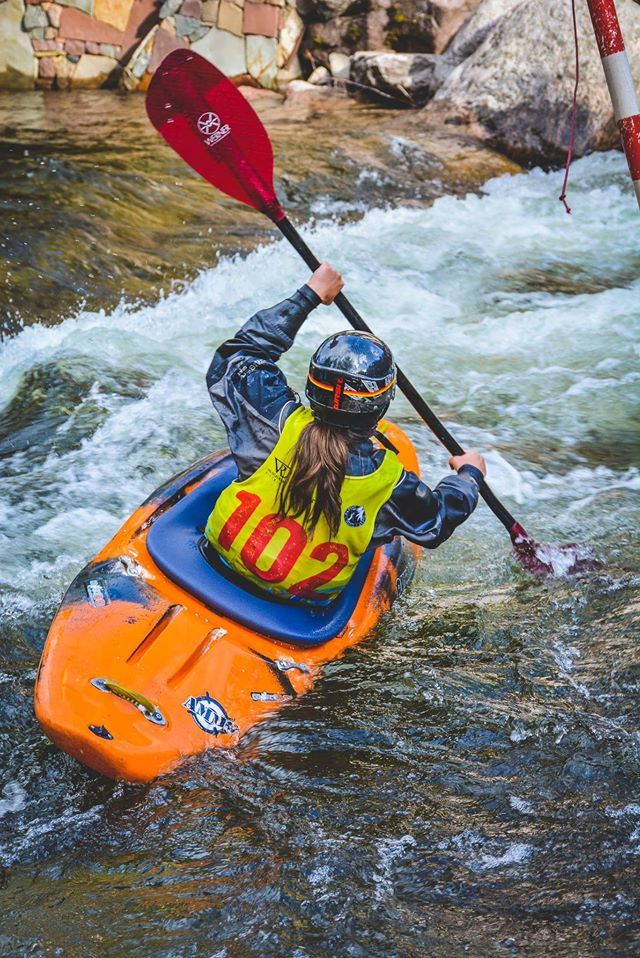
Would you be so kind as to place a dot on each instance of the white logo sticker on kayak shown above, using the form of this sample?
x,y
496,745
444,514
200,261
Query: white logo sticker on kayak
x,y
211,126
209,715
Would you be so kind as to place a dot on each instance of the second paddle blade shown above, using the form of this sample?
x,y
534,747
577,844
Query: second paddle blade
x,y
208,122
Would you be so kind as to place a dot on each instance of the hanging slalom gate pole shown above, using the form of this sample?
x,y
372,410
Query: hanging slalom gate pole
x,y
620,82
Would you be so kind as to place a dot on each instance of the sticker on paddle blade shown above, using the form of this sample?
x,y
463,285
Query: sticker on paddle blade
x,y
209,715
208,122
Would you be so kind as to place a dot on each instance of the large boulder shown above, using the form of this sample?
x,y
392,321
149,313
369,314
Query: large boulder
x,y
518,84
17,63
476,28
404,77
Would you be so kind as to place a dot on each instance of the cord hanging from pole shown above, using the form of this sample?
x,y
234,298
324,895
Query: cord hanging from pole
x,y
574,108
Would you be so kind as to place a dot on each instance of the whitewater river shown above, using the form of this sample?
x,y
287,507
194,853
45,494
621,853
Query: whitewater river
x,y
466,781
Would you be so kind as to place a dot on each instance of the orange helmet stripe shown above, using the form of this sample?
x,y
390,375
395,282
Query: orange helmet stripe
x,y
353,392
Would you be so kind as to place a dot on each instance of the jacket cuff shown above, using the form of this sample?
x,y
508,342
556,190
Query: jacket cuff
x,y
310,296
474,473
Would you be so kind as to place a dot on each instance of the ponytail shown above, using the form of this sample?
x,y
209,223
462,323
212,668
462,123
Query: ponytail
x,y
313,486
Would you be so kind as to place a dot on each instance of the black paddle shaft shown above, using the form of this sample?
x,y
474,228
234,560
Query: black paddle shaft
x,y
438,428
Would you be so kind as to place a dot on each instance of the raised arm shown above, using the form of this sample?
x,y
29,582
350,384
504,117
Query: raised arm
x,y
247,388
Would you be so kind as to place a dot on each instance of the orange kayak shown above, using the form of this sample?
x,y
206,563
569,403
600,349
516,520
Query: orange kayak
x,y
157,654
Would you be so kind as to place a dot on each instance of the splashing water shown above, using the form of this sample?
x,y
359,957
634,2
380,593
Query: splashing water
x,y
452,767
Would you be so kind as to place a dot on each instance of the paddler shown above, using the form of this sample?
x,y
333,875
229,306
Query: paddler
x,y
317,487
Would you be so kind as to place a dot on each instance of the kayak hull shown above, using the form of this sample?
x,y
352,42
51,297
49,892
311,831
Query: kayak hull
x,y
137,673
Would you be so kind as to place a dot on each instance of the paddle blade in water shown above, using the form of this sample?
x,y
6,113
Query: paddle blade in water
x,y
542,558
208,122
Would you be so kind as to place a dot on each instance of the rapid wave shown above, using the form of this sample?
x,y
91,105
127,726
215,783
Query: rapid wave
x,y
517,322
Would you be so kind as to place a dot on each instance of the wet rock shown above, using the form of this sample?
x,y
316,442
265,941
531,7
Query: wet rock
x,y
46,68
290,37
261,60
320,76
518,84
17,62
407,77
304,99
224,50
339,65
93,72
64,72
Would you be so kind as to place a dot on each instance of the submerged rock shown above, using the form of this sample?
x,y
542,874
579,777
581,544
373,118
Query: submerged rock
x,y
518,84
406,77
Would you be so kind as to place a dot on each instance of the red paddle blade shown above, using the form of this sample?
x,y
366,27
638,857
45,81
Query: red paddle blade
x,y
208,122
542,558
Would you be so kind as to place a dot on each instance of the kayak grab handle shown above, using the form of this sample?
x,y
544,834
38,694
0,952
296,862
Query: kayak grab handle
x,y
144,705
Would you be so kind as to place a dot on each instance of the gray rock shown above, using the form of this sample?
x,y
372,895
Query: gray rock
x,y
476,28
169,7
224,50
35,18
518,84
185,26
17,63
407,77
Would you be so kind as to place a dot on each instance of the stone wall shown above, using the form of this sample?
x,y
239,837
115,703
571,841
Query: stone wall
x,y
95,43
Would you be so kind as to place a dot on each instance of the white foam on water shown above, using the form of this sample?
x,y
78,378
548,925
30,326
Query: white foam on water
x,y
521,805
14,798
516,322
389,851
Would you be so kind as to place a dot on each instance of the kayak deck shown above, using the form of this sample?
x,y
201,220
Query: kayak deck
x,y
142,668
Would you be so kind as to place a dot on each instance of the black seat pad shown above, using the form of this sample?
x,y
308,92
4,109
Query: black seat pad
x,y
174,541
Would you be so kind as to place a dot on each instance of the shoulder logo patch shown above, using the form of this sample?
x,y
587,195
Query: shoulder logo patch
x,y
355,516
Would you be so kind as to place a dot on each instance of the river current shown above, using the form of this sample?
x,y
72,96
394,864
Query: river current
x,y
466,781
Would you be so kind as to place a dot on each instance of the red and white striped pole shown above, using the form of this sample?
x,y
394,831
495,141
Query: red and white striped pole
x,y
620,82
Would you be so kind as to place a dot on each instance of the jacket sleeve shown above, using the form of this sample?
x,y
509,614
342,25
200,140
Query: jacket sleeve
x,y
428,516
247,388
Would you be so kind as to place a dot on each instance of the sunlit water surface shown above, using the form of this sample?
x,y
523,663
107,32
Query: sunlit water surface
x,y
466,781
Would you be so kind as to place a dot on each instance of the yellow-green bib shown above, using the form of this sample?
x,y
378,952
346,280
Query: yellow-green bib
x,y
276,553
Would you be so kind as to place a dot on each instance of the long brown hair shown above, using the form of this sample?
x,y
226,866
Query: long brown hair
x,y
312,488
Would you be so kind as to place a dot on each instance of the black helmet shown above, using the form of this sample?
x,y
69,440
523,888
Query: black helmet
x,y
351,381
